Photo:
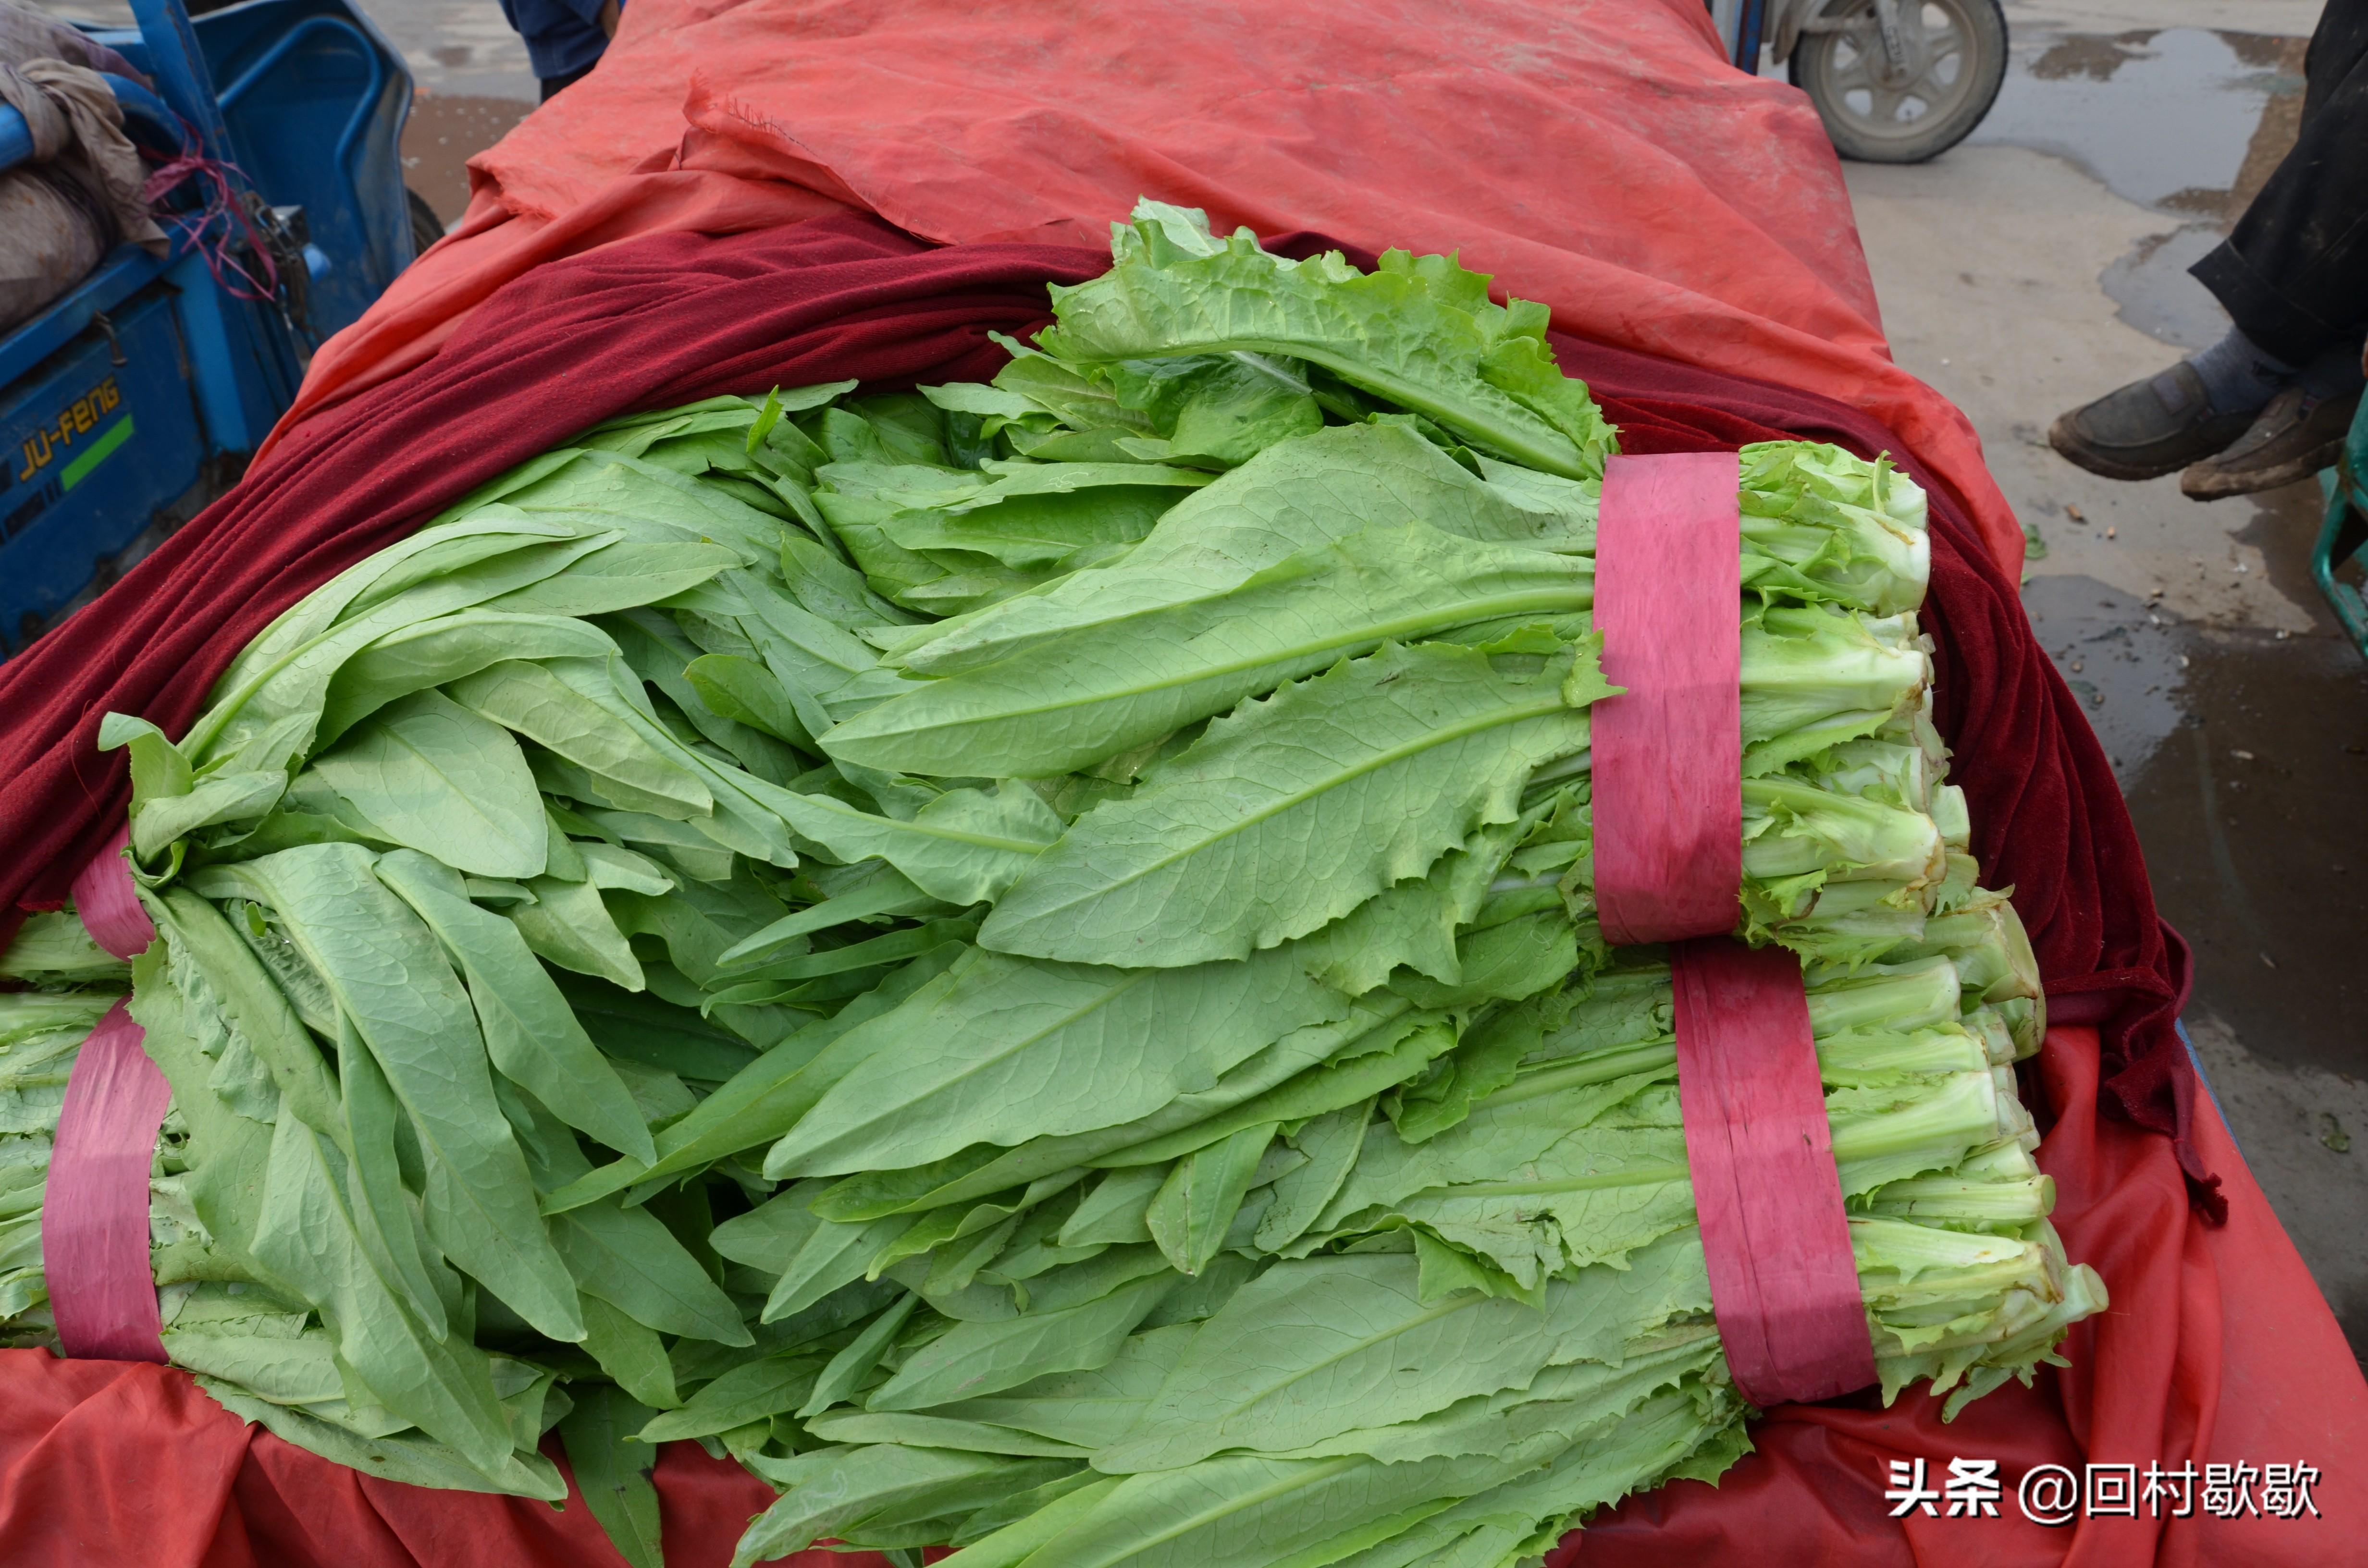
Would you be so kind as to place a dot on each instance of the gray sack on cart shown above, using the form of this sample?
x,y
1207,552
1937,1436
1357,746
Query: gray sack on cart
x,y
80,194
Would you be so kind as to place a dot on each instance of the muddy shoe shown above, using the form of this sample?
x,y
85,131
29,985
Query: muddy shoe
x,y
2292,438
2148,428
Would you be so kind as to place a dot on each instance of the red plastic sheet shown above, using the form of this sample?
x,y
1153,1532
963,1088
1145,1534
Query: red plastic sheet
x,y
113,1464
1669,751
1599,155
1760,1153
2218,1347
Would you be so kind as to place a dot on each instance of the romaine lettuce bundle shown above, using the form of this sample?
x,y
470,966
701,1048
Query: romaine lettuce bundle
x,y
1021,958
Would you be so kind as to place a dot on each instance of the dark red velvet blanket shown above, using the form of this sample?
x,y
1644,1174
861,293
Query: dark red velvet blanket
x,y
676,317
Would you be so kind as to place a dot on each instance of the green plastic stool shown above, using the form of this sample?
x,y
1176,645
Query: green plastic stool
x,y
2344,535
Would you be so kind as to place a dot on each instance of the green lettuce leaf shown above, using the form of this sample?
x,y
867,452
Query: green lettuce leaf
x,y
1419,332
1240,842
1067,702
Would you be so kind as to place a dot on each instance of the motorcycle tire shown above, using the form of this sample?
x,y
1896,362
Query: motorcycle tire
x,y
1958,63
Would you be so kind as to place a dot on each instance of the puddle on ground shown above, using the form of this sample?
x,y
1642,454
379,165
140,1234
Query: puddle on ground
x,y
2154,293
2259,852
2119,657
2284,528
2243,754
2244,758
2092,56
2182,120
2163,118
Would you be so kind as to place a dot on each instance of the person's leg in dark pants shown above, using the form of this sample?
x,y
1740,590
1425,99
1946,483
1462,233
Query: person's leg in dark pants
x,y
564,39
2295,273
2274,397
550,85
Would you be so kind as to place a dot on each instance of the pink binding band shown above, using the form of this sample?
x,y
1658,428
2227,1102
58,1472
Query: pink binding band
x,y
109,907
94,1209
1668,753
1669,862
94,1214
1761,1153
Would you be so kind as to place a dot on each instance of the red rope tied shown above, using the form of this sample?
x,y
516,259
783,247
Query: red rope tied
x,y
219,221
1761,1155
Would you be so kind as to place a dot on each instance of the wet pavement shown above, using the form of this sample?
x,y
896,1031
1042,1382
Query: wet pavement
x,y
2039,265
444,132
2098,101
469,73
2240,730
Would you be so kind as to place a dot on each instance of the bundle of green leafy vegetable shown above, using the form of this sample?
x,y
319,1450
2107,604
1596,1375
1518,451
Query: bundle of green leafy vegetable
x,y
1021,959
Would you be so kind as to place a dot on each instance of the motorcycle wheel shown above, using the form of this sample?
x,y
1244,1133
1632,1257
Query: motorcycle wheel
x,y
1956,61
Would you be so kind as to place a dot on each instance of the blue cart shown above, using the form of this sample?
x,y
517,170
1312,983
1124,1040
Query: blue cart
x,y
137,397
2343,536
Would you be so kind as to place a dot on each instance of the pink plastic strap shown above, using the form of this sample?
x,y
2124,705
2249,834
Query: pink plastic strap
x,y
95,1212
110,911
1668,753
1782,1275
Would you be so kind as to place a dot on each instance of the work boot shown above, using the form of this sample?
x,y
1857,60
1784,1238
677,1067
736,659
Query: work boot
x,y
2292,438
2151,428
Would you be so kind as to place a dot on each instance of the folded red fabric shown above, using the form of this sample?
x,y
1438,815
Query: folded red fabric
x,y
1600,156
2218,1347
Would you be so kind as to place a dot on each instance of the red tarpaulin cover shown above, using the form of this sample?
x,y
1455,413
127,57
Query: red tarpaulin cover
x,y
1599,155
2217,1349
